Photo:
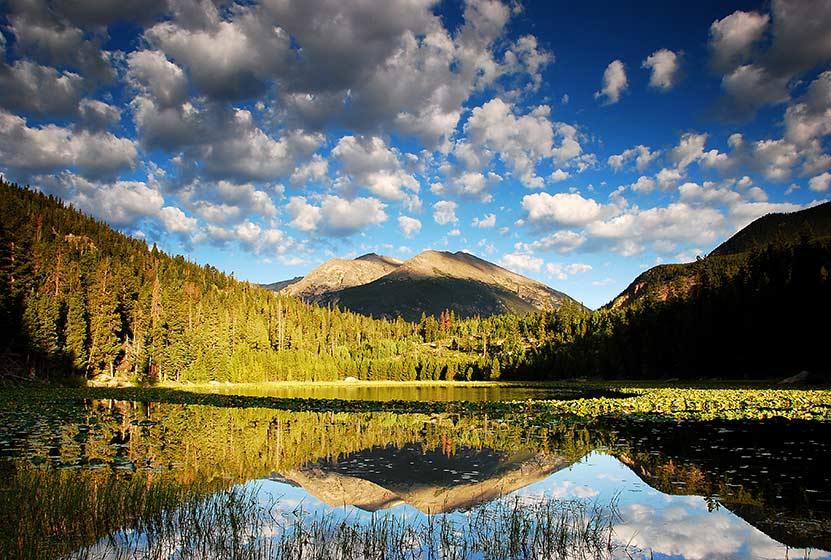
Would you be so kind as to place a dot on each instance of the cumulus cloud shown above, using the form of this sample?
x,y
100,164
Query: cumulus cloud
x,y
564,241
26,150
304,216
754,77
558,175
562,271
371,164
644,184
690,149
733,37
28,87
444,212
567,209
315,170
664,65
703,214
820,183
409,226
614,83
152,73
485,222
176,221
810,117
45,35
519,261
335,216
96,115
521,141
231,58
642,155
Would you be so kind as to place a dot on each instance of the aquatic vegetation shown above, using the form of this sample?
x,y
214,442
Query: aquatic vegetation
x,y
48,513
589,400
166,520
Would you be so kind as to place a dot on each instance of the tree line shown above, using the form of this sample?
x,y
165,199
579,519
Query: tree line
x,y
80,299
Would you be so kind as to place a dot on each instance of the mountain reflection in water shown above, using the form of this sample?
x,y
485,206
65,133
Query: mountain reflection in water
x,y
655,524
683,490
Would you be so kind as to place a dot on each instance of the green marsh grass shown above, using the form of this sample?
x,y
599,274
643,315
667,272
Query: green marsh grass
x,y
79,515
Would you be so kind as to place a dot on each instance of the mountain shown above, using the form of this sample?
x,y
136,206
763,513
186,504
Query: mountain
x,y
779,229
668,281
338,274
429,283
277,286
428,480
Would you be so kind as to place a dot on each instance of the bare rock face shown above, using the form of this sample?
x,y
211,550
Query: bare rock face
x,y
371,493
428,283
337,274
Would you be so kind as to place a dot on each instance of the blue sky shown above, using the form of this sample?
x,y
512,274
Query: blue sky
x,y
575,143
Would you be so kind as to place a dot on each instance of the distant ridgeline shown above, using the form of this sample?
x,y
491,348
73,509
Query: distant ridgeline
x,y
78,298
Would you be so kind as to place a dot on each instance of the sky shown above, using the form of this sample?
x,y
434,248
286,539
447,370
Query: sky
x,y
576,143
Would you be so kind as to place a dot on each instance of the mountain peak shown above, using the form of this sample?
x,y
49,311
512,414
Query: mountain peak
x,y
429,283
381,259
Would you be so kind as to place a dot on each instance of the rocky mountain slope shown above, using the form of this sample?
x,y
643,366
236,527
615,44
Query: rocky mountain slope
x,y
338,274
428,283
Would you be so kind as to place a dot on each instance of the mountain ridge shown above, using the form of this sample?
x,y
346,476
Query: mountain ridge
x,y
667,281
428,283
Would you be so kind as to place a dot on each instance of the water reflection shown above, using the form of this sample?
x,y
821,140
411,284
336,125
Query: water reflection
x,y
689,490
652,524
402,391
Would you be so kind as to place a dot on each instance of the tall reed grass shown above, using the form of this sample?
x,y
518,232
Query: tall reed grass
x,y
82,516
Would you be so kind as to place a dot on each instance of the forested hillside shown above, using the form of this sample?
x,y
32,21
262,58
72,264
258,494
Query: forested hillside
x,y
80,299
768,317
669,281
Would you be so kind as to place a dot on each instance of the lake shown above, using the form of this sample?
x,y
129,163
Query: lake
x,y
653,489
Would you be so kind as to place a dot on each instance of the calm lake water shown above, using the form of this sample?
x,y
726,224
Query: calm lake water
x,y
700,490
406,392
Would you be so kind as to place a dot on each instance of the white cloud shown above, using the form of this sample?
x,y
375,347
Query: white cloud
x,y
664,65
775,158
644,184
227,58
31,88
175,221
337,217
519,261
810,118
51,148
564,241
520,141
614,83
487,221
444,212
690,149
374,166
733,37
667,178
121,203
409,226
820,183
642,155
562,271
568,209
559,175
315,170
152,73
304,216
